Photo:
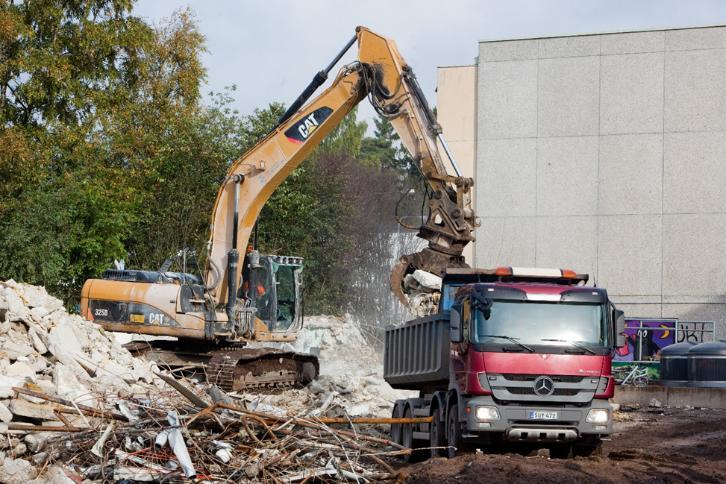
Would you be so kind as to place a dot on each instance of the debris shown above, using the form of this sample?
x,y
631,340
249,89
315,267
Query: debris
x,y
225,450
76,405
427,280
16,471
97,449
176,442
654,402
38,411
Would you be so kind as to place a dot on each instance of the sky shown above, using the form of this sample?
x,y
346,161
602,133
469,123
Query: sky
x,y
270,49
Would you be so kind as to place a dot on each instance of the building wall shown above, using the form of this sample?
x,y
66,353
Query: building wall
x,y
456,113
607,154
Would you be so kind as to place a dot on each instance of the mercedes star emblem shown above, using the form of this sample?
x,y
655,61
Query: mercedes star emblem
x,y
544,386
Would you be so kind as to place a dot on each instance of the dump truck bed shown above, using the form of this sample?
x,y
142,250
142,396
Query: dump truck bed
x,y
417,353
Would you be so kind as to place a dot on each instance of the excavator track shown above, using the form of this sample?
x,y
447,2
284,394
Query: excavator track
x,y
260,368
234,368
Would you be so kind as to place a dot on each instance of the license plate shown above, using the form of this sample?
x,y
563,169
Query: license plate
x,y
542,415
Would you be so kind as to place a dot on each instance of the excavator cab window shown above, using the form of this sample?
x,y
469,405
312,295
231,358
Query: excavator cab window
x,y
274,289
286,296
260,291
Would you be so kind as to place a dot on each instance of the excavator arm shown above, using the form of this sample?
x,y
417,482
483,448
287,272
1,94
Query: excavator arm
x,y
381,74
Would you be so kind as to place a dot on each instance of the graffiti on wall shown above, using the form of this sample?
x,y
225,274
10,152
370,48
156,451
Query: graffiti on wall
x,y
694,331
645,339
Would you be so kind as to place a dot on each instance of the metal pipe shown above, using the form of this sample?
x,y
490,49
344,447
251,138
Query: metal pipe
x,y
233,254
441,139
237,180
318,80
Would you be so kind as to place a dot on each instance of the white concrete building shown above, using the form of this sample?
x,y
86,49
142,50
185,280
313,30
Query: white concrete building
x,y
603,153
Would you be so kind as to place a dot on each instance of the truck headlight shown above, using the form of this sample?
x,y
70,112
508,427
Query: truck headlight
x,y
598,416
487,413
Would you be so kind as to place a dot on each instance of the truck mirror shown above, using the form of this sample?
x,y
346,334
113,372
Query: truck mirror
x,y
619,317
455,323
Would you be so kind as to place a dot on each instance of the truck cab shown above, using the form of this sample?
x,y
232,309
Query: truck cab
x,y
519,356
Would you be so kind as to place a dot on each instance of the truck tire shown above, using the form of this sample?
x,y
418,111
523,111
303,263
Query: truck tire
x,y
588,448
561,451
453,431
407,435
396,428
437,433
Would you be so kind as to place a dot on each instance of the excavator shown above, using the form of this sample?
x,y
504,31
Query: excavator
x,y
223,318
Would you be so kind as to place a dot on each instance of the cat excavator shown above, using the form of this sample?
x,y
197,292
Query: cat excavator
x,y
223,318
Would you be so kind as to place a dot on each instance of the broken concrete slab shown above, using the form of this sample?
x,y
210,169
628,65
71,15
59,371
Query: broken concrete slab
x,y
64,345
5,414
16,471
38,343
7,383
14,349
38,313
21,369
16,308
54,475
67,385
39,411
37,296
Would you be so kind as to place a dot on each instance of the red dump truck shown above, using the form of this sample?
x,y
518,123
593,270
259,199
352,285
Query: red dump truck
x,y
513,355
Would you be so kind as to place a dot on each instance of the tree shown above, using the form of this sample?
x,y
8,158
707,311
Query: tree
x,y
384,149
89,97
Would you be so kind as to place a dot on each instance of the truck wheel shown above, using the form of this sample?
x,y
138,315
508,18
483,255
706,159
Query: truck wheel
x,y
437,434
396,428
453,432
407,435
588,448
561,451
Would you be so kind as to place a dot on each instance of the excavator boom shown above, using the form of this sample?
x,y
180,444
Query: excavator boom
x,y
381,74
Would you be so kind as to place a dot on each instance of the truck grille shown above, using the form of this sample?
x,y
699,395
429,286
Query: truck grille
x,y
560,392
532,378
515,387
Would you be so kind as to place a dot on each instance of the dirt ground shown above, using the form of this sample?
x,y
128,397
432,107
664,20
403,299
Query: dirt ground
x,y
651,445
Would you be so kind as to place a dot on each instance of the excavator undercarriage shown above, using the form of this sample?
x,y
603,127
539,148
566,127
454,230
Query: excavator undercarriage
x,y
232,368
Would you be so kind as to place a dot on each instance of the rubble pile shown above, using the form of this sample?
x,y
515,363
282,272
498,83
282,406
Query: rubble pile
x,y
75,406
351,371
45,349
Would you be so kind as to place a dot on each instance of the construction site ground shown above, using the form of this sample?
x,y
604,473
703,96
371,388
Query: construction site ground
x,y
649,445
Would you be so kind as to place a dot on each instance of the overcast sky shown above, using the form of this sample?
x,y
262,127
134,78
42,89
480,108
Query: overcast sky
x,y
271,48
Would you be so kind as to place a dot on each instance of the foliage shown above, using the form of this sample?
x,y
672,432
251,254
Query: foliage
x,y
90,99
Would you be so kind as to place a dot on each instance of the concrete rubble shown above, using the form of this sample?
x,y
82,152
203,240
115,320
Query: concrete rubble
x,y
350,368
70,392
423,290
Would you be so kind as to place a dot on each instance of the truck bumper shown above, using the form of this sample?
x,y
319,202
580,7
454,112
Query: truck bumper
x,y
515,424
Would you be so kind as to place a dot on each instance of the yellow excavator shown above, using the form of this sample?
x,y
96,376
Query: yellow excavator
x,y
252,298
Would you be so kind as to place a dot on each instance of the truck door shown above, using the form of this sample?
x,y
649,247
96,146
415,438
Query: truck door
x,y
458,360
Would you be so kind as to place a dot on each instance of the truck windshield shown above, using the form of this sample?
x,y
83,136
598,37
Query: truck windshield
x,y
542,323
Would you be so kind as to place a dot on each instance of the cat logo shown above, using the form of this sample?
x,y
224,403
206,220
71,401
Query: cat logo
x,y
301,131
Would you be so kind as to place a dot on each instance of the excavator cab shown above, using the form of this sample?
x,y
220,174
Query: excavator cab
x,y
274,288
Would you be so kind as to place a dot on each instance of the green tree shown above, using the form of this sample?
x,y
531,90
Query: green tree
x,y
384,149
89,99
